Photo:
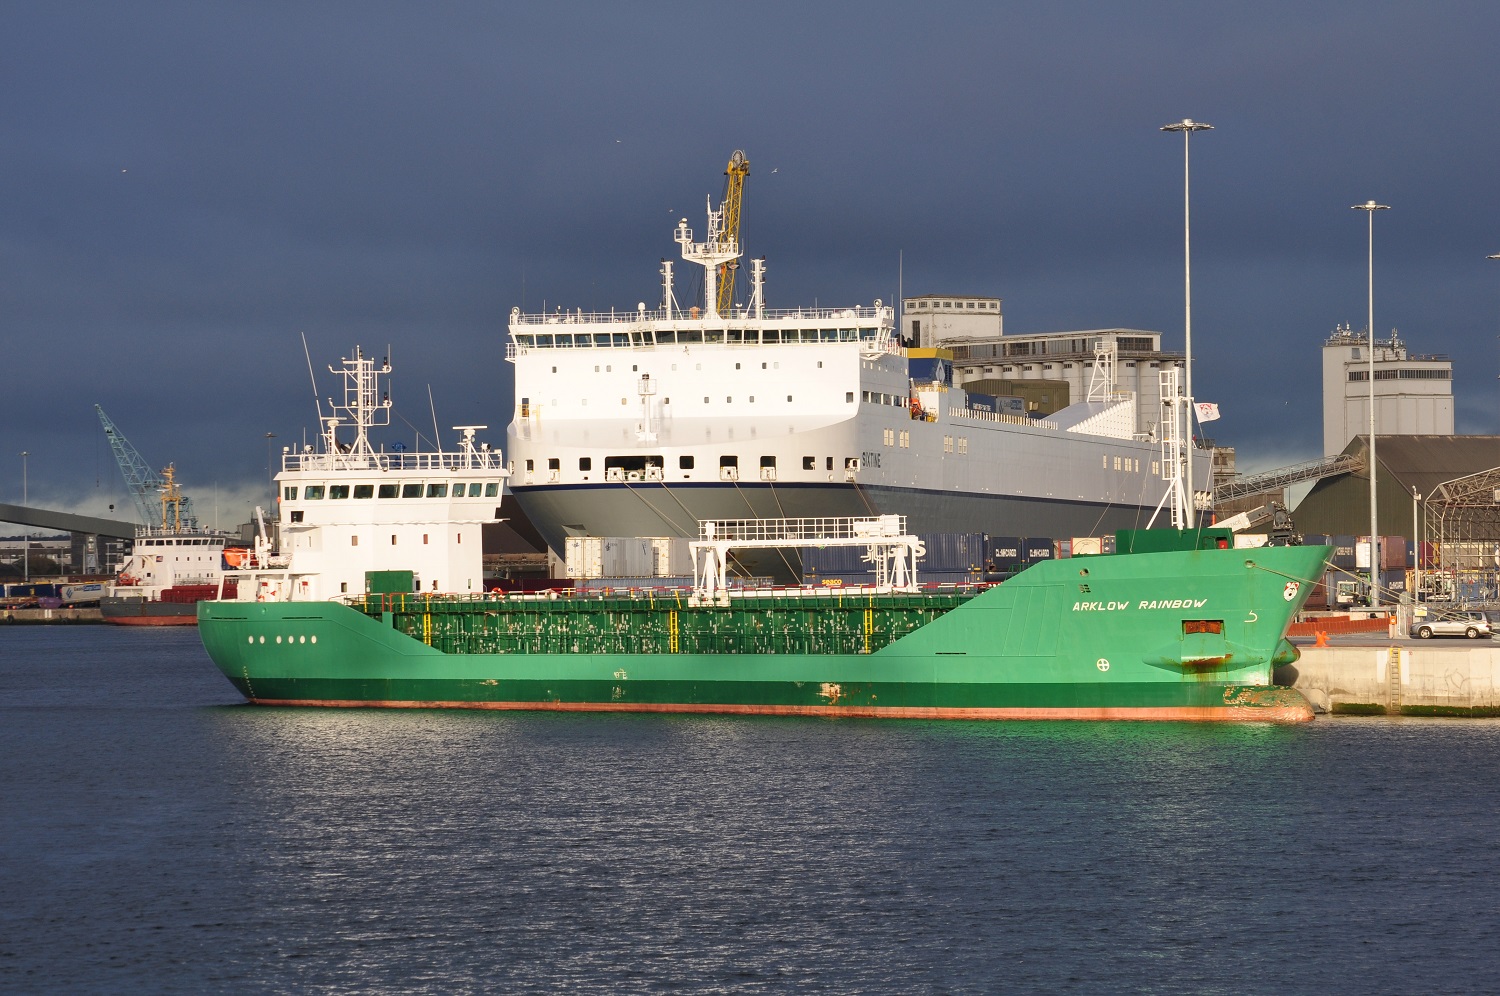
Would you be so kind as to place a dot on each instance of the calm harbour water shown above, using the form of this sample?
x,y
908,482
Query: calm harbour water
x,y
156,834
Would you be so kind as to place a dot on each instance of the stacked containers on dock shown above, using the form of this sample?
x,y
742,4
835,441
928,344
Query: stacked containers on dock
x,y
1392,552
1343,551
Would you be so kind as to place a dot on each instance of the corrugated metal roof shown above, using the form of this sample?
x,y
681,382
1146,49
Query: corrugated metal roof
x,y
1424,462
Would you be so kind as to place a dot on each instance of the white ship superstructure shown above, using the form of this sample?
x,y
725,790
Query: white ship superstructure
x,y
644,423
175,552
348,508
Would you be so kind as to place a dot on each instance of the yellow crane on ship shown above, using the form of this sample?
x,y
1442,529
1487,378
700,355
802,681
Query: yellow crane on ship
x,y
734,188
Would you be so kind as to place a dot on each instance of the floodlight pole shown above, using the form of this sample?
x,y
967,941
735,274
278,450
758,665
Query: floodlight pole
x,y
1187,126
1416,538
26,542
1370,207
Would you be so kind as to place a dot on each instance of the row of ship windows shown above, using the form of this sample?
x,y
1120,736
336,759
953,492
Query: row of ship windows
x,y
179,542
902,439
316,492
1130,464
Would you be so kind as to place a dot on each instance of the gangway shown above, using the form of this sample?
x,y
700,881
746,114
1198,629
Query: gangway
x,y
893,550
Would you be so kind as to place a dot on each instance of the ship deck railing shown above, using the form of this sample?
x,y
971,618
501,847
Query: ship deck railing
x,y
484,460
694,333
568,599
696,317
1001,418
804,532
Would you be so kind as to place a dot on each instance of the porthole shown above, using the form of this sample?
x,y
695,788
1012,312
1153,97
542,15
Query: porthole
x,y
278,639
262,639
315,639
249,639
301,639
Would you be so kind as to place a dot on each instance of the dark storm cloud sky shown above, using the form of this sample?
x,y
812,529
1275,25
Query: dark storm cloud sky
x,y
185,188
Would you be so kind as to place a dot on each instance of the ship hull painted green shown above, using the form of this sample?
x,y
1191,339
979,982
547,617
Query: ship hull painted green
x,y
1088,638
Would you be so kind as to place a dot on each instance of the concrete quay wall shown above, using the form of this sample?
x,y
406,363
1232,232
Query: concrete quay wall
x,y
1460,680
22,616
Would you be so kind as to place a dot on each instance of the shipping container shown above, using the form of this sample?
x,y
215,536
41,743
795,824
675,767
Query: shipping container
x,y
1343,551
87,593
628,557
583,556
1086,546
930,369
664,584
836,559
1037,548
609,556
673,556
926,579
951,551
1393,552
1392,583
1062,548
1003,554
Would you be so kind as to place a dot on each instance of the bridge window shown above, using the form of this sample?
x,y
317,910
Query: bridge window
x,y
685,462
411,491
388,490
437,490
492,488
289,493
313,492
364,491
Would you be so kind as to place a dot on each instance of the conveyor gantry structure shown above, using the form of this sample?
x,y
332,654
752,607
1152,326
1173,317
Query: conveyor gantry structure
x,y
1284,477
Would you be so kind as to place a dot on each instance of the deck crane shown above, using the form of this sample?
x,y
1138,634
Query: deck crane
x,y
734,187
146,486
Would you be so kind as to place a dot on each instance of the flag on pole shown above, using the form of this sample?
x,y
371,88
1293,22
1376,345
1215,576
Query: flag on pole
x,y
1207,410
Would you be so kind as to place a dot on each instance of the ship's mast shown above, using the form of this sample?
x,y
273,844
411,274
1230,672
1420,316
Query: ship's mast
x,y
710,254
365,405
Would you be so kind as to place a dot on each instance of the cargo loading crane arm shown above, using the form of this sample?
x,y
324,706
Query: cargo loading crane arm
x,y
734,188
144,484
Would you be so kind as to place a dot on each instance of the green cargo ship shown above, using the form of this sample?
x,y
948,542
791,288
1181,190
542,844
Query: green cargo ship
x,y
1174,634
374,597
